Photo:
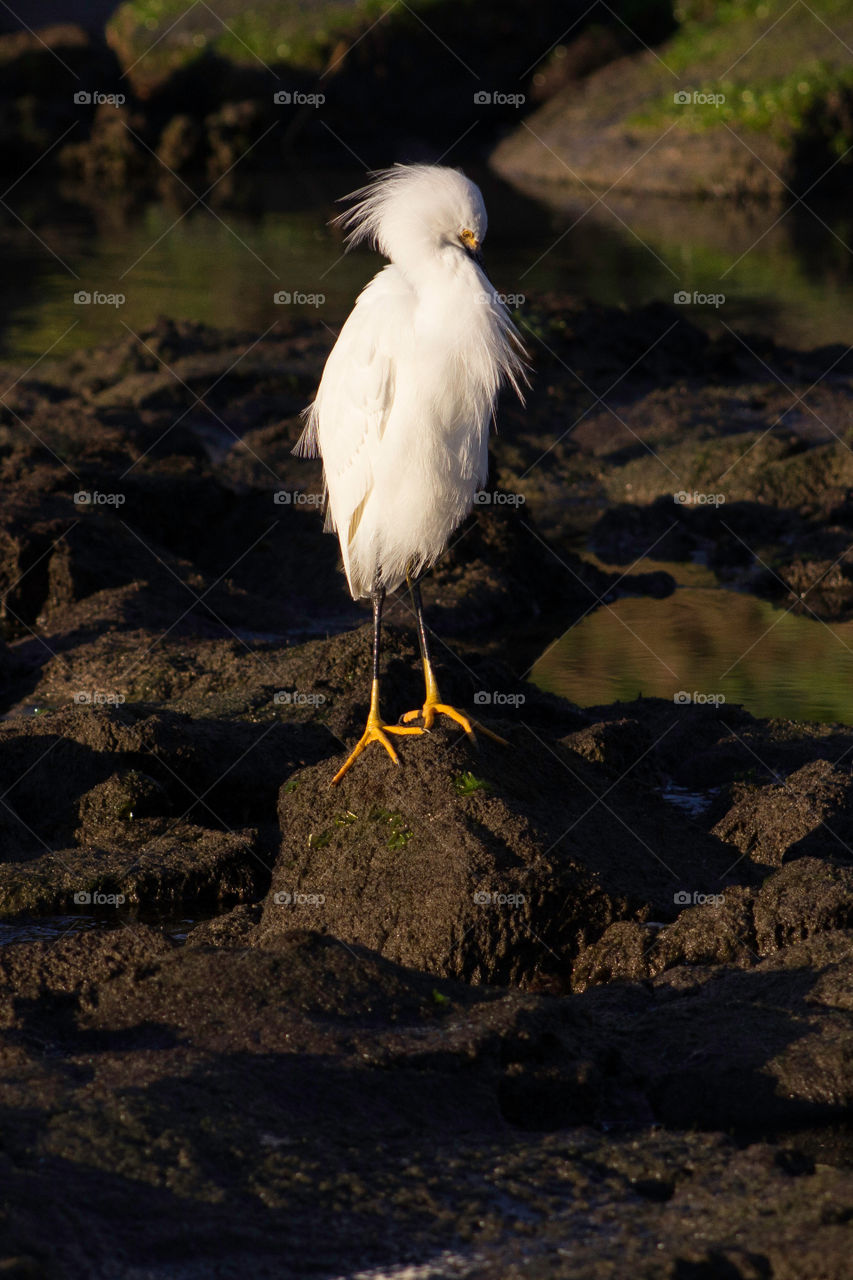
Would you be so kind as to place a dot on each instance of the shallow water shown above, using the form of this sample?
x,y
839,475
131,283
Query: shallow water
x,y
224,264
705,644
52,928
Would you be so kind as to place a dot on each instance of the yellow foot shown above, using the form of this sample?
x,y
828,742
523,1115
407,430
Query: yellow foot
x,y
376,731
431,709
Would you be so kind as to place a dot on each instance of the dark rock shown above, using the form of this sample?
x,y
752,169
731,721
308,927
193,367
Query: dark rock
x,y
804,898
614,744
622,953
270,1088
234,929
40,73
806,814
395,858
115,807
180,146
716,933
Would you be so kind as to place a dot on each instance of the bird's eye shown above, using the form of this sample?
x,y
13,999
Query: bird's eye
x,y
469,239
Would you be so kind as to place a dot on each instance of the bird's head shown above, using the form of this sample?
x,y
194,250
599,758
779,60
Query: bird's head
x,y
411,213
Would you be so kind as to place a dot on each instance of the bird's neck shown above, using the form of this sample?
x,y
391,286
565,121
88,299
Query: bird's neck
x,y
445,279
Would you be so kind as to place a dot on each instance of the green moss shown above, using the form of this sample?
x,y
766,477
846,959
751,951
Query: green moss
x,y
399,839
782,69
169,33
465,784
784,107
400,832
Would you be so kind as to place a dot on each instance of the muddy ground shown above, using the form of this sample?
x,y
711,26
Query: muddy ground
x,y
503,1011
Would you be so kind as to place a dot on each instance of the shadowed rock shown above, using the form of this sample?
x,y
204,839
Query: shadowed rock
x,y
495,864
809,811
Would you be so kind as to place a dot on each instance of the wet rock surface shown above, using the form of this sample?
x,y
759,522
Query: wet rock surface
x,y
310,1106
504,1010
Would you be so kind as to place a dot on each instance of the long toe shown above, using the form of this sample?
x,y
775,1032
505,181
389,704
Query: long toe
x,y
430,710
443,709
495,737
425,713
373,733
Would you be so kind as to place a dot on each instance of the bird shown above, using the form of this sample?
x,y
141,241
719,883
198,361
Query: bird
x,y
402,412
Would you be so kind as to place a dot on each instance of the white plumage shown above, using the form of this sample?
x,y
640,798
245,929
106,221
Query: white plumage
x,y
401,417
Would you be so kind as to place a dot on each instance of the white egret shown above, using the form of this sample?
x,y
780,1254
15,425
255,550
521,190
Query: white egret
x,y
401,416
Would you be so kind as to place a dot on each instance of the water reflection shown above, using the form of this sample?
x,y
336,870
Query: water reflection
x,y
708,642
224,263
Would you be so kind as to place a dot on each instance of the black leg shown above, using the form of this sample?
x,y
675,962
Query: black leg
x,y
377,596
415,592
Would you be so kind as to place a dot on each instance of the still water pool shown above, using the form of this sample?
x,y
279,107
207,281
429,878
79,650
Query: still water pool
x,y
705,644
224,263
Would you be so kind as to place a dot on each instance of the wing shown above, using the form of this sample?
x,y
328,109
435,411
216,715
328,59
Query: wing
x,y
347,420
